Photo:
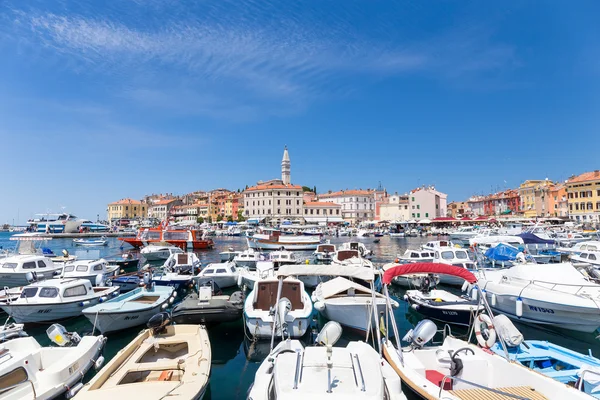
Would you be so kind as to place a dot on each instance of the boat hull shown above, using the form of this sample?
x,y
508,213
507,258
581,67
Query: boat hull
x,y
456,315
352,312
11,280
261,328
107,322
222,281
264,244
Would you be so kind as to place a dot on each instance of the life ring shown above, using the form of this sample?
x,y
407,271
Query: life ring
x,y
486,344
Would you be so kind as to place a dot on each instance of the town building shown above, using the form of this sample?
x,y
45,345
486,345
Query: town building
x,y
476,205
583,196
395,209
535,198
559,205
276,200
126,208
426,202
322,212
458,209
357,205
161,209
502,203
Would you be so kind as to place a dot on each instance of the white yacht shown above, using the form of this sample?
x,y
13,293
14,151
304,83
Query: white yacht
x,y
223,274
90,269
248,258
55,299
30,371
453,256
488,237
591,245
55,223
155,252
463,234
415,256
14,269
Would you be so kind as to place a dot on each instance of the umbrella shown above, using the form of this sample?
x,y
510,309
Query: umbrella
x,y
425,221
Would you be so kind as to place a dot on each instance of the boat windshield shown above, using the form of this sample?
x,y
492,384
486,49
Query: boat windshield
x,y
9,265
69,268
447,255
462,255
176,235
28,292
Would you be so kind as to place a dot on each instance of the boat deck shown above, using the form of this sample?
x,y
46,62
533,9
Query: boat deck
x,y
525,392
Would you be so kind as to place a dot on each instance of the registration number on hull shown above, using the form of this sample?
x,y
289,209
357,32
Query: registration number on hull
x,y
542,310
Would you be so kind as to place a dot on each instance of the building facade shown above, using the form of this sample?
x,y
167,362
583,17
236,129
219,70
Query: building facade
x,y
396,209
322,212
458,209
357,205
126,208
426,202
559,205
583,197
161,209
535,198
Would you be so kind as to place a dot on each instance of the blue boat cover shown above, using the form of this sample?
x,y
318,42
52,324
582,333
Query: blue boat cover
x,y
502,252
530,238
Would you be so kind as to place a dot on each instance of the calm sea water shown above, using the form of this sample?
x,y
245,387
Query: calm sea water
x,y
234,358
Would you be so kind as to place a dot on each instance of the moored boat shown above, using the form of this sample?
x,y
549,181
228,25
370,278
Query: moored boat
x,y
14,269
156,252
185,239
273,240
209,306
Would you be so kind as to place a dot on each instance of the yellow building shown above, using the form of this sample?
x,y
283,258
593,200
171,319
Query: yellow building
x,y
126,208
583,196
535,198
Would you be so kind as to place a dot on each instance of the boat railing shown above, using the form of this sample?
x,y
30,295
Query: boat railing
x,y
582,375
555,285
478,386
16,385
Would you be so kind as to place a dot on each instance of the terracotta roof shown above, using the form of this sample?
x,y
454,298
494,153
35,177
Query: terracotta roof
x,y
127,201
347,193
586,176
320,203
273,186
160,202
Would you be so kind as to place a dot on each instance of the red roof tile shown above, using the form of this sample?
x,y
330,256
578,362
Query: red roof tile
x,y
586,176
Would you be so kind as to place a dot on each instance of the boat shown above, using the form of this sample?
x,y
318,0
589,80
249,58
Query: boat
x,y
55,300
90,242
271,239
488,237
90,226
127,262
340,299
225,274
591,245
126,283
265,297
414,256
55,223
410,280
547,294
349,257
178,270
457,369
356,371
557,362
463,234
190,239
157,252
248,276
453,256
161,362
130,309
362,249
90,269
30,371
11,330
588,257
14,269
502,255
248,258
283,257
228,255
324,252
441,305
209,306
436,244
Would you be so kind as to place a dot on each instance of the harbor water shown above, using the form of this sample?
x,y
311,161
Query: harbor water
x,y
235,358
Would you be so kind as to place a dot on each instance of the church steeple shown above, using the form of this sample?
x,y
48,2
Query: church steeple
x,y
285,167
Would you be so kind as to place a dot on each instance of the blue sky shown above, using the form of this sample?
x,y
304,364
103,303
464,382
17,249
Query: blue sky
x,y
104,100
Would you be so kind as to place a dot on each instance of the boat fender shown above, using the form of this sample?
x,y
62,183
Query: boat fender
x,y
465,286
474,293
99,363
240,280
491,332
493,300
405,297
171,300
319,305
164,306
71,392
415,307
519,307
84,303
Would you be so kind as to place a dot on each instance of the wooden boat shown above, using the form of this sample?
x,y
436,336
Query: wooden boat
x,y
185,239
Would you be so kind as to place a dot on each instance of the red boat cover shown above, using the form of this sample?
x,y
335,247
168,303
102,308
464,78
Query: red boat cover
x,y
428,268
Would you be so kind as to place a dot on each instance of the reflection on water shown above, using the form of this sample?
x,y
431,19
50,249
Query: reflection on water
x,y
235,358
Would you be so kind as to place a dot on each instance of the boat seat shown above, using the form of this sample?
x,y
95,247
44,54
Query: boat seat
x,y
145,299
478,394
267,295
344,255
182,259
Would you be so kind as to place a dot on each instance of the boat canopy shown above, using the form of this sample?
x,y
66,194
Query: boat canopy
x,y
339,285
502,252
363,273
530,238
428,268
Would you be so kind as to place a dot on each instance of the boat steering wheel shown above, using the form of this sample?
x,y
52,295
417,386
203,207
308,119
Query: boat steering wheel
x,y
456,364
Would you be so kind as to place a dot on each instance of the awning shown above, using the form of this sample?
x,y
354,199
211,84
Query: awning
x,y
323,219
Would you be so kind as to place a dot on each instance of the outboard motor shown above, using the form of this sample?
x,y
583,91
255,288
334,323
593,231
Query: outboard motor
x,y
427,283
330,334
283,308
159,322
59,335
99,280
421,334
148,280
31,277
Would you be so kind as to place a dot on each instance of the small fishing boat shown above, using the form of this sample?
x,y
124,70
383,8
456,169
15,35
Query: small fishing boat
x,y
186,239
14,269
91,242
324,252
271,239
228,255
209,306
178,270
130,309
457,257
157,252
165,361
415,256
225,274
283,257
127,262
248,258
126,283
90,269
55,299
30,371
362,249
11,330
248,276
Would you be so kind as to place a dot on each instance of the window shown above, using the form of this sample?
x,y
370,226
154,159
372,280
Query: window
x,y
28,292
82,268
317,211
29,265
75,291
461,255
592,257
413,199
221,271
418,206
9,265
413,214
49,292
337,212
278,202
426,215
41,264
13,378
447,255
418,215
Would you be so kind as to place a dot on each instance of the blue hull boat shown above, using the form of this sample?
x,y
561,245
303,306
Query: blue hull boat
x,y
554,361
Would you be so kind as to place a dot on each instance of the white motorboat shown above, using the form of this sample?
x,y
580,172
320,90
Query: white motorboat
x,y
228,255
489,237
415,256
410,280
283,257
591,245
162,362
271,239
155,252
55,299
178,270
224,274
548,294
248,276
90,269
362,249
324,252
90,242
55,223
130,309
11,330
248,258
436,244
14,269
349,257
459,370
453,256
289,320
588,257
463,234
30,371
356,371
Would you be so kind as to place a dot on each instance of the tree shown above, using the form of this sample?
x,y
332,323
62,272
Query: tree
x,y
210,220
240,216
315,190
306,189
200,220
219,218
230,219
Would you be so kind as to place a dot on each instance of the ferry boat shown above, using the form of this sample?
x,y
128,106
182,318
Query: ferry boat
x,y
55,223
185,239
